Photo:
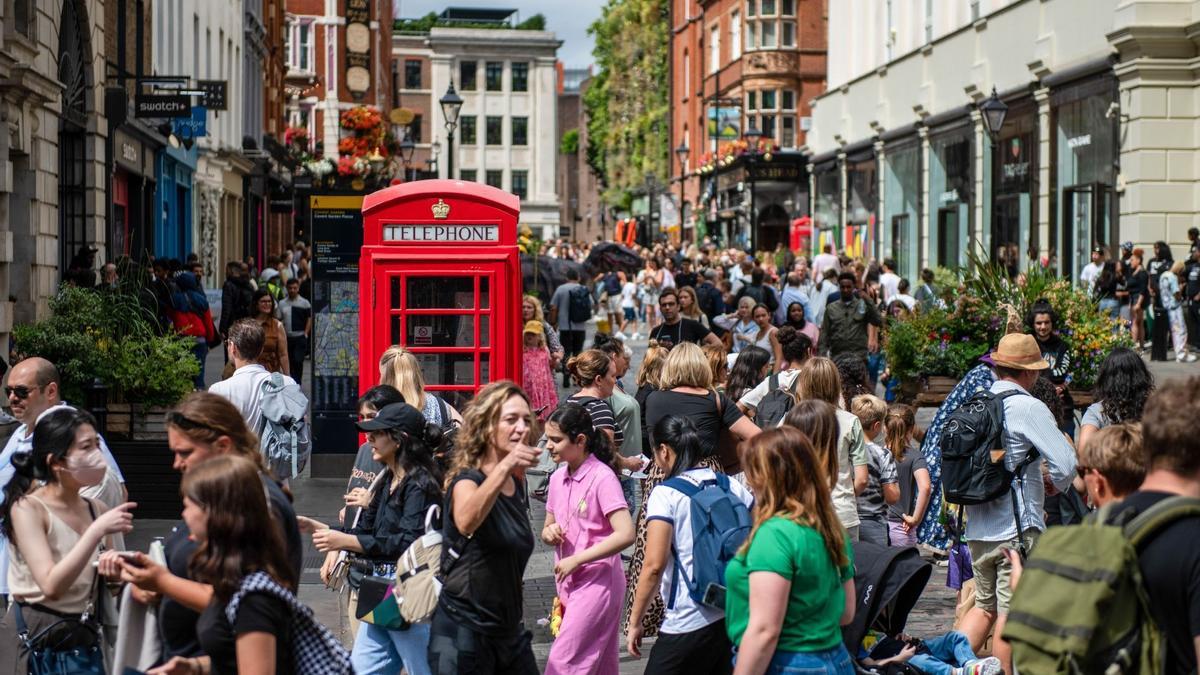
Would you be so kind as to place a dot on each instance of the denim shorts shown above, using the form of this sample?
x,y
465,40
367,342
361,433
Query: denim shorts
x,y
834,661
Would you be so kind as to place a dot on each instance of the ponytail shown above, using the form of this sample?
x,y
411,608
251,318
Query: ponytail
x,y
898,425
52,438
574,420
679,434
415,456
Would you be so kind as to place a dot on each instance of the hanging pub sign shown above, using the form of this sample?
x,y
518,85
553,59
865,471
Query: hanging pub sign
x,y
216,92
358,47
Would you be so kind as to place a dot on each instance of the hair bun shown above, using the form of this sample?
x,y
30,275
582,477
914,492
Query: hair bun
x,y
432,435
23,463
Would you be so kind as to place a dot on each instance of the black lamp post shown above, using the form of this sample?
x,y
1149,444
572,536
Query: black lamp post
x,y
994,111
752,137
407,148
682,153
451,106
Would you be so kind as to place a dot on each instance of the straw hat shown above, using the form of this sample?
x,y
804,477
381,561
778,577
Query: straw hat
x,y
1019,351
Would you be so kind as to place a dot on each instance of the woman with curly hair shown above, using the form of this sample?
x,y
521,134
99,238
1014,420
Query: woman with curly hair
x,y
1122,386
853,371
478,624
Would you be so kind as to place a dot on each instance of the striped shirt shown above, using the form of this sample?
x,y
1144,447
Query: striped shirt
x,y
602,416
1028,423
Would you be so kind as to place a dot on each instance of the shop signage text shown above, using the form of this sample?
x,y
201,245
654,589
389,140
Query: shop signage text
x,y
215,93
950,196
442,233
194,127
1079,141
1016,170
129,152
169,105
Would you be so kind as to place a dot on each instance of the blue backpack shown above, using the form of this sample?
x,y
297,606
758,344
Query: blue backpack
x,y
720,524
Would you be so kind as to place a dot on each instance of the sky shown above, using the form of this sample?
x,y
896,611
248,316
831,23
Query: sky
x,y
568,19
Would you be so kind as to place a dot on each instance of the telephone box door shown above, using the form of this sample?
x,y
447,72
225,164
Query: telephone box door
x,y
445,319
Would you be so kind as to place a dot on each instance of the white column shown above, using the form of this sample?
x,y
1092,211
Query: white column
x,y
1042,96
923,217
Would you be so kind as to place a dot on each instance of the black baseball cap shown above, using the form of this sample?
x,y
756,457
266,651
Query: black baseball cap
x,y
400,416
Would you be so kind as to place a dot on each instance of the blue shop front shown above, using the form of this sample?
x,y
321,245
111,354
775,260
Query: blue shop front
x,y
173,202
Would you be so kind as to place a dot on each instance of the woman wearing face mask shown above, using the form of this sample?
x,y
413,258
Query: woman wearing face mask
x,y
55,535
402,441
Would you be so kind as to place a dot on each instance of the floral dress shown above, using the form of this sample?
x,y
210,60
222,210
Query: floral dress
x,y
539,381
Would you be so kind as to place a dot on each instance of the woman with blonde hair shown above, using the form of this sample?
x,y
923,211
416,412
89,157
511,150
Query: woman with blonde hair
x,y
647,382
791,586
820,380
718,362
685,390
399,368
689,306
531,310
478,624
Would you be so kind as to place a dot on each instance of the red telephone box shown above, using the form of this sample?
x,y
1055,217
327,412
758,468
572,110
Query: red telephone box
x,y
440,274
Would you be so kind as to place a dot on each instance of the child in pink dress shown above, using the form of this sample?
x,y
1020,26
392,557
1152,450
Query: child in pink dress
x,y
538,380
588,523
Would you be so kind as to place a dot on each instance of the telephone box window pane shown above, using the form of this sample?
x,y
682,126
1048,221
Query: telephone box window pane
x,y
483,293
394,301
395,333
484,373
485,324
441,292
440,331
447,369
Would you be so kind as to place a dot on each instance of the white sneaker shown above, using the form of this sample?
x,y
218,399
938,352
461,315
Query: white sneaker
x,y
1186,358
620,336
635,336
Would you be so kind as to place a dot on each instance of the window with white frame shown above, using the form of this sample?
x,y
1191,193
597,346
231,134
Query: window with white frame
x,y
714,49
773,112
735,34
300,45
771,24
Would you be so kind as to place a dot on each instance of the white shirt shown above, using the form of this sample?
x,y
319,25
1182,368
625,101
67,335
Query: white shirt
x,y
908,300
1089,274
628,293
673,507
824,261
752,398
244,391
890,283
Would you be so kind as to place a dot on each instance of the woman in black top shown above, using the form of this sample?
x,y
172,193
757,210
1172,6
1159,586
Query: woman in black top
x,y
1105,290
685,390
647,382
402,440
1138,284
225,508
478,624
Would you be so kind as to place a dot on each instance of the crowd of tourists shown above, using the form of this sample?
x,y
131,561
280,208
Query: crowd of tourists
x,y
729,498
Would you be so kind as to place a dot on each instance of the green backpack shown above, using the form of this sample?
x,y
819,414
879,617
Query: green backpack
x,y
1080,607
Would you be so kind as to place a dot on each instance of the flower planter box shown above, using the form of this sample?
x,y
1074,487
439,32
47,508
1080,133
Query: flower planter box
x,y
136,422
934,389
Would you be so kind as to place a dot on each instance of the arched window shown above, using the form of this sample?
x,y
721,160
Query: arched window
x,y
73,62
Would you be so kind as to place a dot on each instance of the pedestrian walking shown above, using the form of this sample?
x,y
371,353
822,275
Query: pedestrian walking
x,y
296,315
399,368
1042,321
912,476
797,349
741,325
627,412
629,308
1143,284
594,374
675,329
570,310
1170,288
927,293
1111,465
689,306
750,368
243,387
882,487
403,441
1191,293
531,310
192,318
588,523
237,296
274,353
537,377
648,376
846,321
797,319
55,535
791,585
477,627
693,638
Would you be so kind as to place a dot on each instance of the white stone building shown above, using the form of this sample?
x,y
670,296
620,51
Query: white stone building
x,y
507,130
1099,145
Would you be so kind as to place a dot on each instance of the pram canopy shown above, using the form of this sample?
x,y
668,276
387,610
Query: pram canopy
x,y
888,582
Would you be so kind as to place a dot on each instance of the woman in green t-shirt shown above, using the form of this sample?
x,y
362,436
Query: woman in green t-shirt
x,y
791,587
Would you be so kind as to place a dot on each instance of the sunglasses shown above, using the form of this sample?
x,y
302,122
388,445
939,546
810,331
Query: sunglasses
x,y
20,392
177,419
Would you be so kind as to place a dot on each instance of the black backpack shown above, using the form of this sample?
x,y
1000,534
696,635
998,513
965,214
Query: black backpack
x,y
580,305
775,405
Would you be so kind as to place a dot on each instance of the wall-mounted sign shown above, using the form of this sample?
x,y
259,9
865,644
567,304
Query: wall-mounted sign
x,y
1079,141
725,123
441,233
215,93
358,47
195,126
167,105
129,152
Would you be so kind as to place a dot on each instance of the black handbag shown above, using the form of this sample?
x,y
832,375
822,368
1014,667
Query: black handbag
x,y
59,648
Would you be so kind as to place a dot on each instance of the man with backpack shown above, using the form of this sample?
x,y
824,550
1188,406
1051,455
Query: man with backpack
x,y
992,449
570,309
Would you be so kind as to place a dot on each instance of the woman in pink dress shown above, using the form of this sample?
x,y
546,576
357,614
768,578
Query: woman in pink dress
x,y
588,524
538,381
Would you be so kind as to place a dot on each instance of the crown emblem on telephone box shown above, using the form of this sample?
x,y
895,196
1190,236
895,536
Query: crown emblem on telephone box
x,y
441,210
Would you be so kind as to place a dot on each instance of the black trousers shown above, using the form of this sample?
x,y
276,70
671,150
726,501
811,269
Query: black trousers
x,y
1191,318
455,649
706,651
297,352
1161,335
572,342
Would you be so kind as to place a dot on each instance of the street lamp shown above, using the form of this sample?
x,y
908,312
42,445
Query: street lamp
x,y
650,181
994,111
682,153
407,148
752,136
451,106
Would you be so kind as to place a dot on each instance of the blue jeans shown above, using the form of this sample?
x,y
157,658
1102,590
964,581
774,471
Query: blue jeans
x,y
946,653
200,350
379,650
834,661
1111,307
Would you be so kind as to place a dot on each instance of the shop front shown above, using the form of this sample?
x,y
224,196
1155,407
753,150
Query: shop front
x,y
1012,237
131,230
1086,153
827,203
951,160
902,203
174,205
778,193
862,188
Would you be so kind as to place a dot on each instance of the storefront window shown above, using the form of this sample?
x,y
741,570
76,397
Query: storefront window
x,y
861,205
1086,156
950,197
902,208
827,203
1013,239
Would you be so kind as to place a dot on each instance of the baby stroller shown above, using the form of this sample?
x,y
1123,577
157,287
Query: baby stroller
x,y
888,581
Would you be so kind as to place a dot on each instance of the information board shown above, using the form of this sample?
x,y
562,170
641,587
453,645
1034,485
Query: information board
x,y
335,224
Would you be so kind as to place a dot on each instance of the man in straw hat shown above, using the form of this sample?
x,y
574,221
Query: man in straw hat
x,y
1030,433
